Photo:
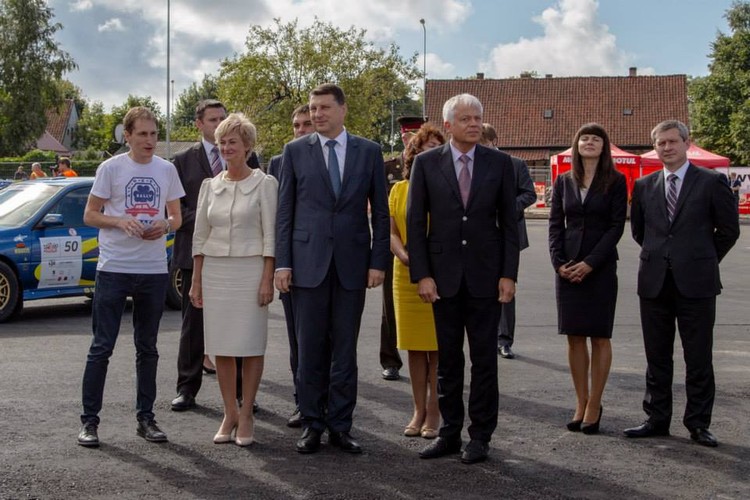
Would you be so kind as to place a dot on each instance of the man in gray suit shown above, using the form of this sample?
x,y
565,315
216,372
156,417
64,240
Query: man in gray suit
x,y
525,197
327,257
684,219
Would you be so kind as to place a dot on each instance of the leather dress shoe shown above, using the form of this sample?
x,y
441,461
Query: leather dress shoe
x,y
183,402
391,373
505,352
295,420
647,429
149,431
704,437
344,441
309,442
475,451
441,446
88,436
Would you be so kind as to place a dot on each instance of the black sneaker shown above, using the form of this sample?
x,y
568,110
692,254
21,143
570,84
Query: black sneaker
x,y
88,436
149,431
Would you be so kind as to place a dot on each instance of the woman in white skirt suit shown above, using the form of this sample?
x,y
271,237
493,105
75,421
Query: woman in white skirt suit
x,y
233,264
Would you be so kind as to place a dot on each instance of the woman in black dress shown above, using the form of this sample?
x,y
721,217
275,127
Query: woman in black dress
x,y
587,218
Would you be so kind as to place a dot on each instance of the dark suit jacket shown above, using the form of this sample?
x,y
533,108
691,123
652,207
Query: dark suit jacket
x,y
313,227
590,230
704,228
525,197
479,243
274,166
192,167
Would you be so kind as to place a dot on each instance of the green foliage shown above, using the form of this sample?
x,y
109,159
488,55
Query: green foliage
x,y
39,155
119,112
95,128
31,64
184,112
720,102
281,64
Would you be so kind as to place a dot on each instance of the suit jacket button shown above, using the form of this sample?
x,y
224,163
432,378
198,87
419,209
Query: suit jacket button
x,y
463,242
464,218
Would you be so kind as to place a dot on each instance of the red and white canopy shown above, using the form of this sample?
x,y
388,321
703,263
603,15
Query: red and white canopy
x,y
698,156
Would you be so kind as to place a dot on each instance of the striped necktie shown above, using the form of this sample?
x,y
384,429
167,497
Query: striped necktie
x,y
464,179
671,196
216,166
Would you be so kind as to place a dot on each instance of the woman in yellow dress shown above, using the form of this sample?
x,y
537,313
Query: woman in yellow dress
x,y
415,324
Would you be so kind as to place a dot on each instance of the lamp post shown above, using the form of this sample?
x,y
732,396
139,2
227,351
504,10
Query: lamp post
x,y
424,70
169,117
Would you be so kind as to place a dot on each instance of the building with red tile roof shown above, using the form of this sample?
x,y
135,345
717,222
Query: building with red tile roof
x,y
538,117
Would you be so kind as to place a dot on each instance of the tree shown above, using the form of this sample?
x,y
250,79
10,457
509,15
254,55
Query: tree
x,y
184,111
282,63
95,128
118,112
720,102
31,63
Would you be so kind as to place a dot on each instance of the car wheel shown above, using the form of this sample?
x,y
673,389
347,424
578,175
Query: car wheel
x,y
11,301
174,295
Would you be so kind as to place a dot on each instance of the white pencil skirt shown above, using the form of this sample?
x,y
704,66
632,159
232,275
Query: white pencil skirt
x,y
234,323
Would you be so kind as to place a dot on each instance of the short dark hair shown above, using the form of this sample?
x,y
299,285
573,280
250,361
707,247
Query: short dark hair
x,y
203,105
330,89
64,160
301,109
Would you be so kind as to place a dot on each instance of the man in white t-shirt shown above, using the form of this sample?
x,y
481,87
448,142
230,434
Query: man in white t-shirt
x,y
130,196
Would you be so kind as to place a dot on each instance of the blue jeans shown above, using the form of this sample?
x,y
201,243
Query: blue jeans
x,y
112,290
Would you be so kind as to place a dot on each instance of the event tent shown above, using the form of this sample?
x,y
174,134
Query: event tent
x,y
627,163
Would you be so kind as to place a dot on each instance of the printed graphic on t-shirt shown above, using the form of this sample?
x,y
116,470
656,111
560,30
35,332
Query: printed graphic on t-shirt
x,y
142,196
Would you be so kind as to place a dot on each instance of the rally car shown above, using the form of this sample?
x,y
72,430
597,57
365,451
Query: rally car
x,y
46,250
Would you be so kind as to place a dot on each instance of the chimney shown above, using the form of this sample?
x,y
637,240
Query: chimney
x,y
632,71
480,76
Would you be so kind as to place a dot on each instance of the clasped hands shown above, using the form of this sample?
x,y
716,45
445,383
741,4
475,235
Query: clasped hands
x,y
574,272
135,228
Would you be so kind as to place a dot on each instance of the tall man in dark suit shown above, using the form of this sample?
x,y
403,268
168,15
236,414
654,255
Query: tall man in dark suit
x,y
463,253
684,219
193,165
525,197
301,126
326,255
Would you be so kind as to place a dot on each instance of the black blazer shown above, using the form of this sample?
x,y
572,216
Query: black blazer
x,y
587,230
525,197
478,244
274,166
192,167
704,228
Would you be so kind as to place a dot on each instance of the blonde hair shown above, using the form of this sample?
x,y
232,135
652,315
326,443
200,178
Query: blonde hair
x,y
237,122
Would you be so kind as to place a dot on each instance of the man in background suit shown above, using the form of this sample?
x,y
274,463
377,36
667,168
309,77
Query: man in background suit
x,y
193,166
684,219
301,126
326,255
463,253
525,197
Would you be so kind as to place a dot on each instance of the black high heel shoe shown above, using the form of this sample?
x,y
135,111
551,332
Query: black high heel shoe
x,y
574,425
593,428
208,371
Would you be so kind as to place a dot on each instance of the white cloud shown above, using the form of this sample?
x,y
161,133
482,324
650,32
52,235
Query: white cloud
x,y
437,68
81,5
113,24
575,43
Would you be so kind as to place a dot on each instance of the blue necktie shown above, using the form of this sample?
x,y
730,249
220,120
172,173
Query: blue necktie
x,y
333,167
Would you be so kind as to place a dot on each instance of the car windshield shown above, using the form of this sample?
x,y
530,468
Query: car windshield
x,y
20,202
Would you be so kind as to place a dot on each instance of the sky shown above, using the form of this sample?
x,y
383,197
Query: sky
x,y
120,46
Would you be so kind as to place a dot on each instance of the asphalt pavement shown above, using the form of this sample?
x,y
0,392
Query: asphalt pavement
x,y
532,455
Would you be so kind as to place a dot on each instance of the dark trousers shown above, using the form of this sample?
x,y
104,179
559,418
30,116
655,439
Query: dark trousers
x,y
112,291
389,357
478,317
695,320
190,354
286,301
507,328
327,320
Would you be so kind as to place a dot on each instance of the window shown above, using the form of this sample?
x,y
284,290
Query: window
x,y
548,114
